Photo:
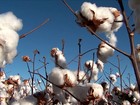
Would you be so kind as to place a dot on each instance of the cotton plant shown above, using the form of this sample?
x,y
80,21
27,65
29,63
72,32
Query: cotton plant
x,y
101,19
92,66
113,78
87,92
60,60
9,25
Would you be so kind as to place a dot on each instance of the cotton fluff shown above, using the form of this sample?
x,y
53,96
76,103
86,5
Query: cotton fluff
x,y
126,102
86,10
135,6
62,77
104,52
100,65
60,60
82,76
113,78
82,91
103,18
2,76
136,95
29,100
9,38
16,78
90,65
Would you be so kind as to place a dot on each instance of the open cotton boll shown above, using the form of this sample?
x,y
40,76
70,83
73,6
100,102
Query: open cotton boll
x,y
2,53
82,91
100,65
11,39
10,56
29,100
90,65
2,76
136,95
82,76
65,77
126,102
16,78
113,78
86,10
9,21
132,86
60,60
103,13
104,52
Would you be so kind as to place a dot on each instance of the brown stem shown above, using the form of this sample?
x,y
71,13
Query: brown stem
x,y
24,35
131,39
79,59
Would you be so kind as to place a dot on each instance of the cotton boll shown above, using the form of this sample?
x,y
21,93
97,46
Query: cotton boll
x,y
9,21
2,53
117,74
10,37
10,56
100,65
29,100
2,76
113,78
53,51
86,10
132,87
16,78
104,52
90,65
104,13
136,95
82,91
60,60
82,76
126,102
65,77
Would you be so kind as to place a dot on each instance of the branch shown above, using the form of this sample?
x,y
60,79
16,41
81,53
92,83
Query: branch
x,y
93,33
132,57
43,23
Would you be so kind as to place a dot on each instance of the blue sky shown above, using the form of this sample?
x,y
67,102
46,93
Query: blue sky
x,y
61,25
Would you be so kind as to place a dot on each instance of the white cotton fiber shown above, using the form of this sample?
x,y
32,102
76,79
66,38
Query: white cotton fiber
x,y
86,8
82,91
9,38
57,76
90,65
100,65
9,21
104,52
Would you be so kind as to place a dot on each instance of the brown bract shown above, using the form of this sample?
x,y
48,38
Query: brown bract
x,y
26,59
93,24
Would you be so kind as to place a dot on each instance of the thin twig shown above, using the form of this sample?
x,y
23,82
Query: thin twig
x,y
24,35
82,54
